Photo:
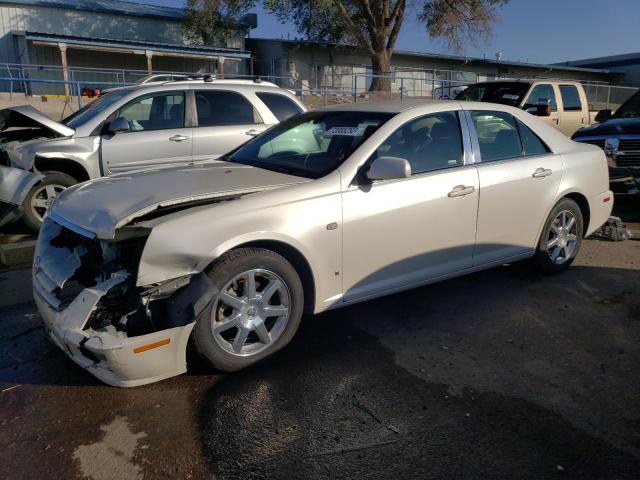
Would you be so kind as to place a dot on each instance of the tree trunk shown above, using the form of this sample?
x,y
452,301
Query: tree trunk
x,y
381,65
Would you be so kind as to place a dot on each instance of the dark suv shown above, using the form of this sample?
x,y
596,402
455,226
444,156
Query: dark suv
x,y
618,135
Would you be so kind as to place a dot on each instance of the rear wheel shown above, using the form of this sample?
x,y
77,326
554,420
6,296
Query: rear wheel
x,y
255,311
561,237
40,197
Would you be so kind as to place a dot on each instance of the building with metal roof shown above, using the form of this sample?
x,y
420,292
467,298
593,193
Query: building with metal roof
x,y
627,64
106,34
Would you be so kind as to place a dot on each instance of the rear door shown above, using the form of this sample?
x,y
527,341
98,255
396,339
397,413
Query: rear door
x,y
158,135
572,117
519,177
225,120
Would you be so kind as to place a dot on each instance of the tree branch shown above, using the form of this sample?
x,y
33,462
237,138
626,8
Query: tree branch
x,y
352,27
398,15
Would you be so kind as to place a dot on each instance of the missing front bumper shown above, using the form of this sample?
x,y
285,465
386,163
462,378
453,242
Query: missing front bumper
x,y
110,355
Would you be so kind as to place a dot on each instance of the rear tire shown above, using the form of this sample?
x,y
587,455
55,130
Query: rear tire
x,y
40,197
561,237
255,311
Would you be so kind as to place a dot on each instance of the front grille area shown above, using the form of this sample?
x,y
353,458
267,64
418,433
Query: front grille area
x,y
628,160
629,145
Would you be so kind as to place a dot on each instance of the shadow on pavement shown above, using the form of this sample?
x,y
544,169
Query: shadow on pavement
x,y
337,404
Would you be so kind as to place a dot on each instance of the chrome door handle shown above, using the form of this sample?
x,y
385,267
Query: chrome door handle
x,y
178,138
461,191
253,132
542,172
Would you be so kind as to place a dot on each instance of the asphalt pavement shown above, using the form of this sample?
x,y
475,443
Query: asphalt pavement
x,y
502,374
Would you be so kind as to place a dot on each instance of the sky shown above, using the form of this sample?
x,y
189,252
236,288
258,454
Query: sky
x,y
538,31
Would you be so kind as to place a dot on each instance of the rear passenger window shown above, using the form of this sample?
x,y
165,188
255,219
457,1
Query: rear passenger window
x,y
570,98
281,106
530,141
497,135
219,107
428,143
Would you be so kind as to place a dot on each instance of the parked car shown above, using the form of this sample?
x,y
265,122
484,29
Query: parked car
x,y
618,134
376,199
561,103
132,128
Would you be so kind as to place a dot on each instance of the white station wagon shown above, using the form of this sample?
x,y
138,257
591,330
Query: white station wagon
x,y
326,209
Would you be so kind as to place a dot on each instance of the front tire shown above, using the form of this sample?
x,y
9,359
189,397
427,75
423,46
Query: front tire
x,y
560,238
256,309
40,197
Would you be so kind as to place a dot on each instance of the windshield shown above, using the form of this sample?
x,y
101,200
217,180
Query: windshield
x,y
506,93
630,108
309,145
96,107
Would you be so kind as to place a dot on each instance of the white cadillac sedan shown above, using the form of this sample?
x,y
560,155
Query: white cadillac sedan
x,y
326,209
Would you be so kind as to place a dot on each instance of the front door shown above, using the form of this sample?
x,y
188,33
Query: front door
x,y
157,136
225,120
519,178
399,233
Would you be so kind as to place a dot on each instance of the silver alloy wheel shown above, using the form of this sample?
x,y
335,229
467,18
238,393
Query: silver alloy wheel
x,y
562,237
250,312
43,197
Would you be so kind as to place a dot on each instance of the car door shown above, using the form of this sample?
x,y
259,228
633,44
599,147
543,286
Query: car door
x,y
158,134
543,92
399,233
519,177
572,117
225,120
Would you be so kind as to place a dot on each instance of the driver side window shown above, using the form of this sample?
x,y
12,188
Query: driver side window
x,y
154,112
541,92
431,142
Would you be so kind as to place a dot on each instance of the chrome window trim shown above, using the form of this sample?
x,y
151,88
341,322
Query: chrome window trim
x,y
473,135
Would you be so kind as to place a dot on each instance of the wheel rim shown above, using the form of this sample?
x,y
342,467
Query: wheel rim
x,y
42,199
250,312
562,238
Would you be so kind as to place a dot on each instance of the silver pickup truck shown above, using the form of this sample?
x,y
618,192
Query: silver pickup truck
x,y
141,127
561,103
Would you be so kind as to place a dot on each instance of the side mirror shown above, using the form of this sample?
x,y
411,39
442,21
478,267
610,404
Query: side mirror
x,y
543,107
388,168
603,115
118,125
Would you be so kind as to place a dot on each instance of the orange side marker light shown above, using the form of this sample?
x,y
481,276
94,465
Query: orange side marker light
x,y
151,346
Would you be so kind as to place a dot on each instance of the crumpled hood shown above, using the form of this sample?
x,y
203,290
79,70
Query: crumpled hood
x,y
615,126
102,206
25,116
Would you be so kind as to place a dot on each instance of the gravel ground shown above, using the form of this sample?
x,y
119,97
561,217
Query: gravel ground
x,y
501,374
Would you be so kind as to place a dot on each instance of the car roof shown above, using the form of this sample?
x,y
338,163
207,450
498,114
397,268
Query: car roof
x,y
395,106
240,84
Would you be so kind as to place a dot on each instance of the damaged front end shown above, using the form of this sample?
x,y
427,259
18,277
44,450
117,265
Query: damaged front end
x,y
86,292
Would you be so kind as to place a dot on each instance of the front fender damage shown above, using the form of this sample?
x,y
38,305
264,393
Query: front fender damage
x,y
15,184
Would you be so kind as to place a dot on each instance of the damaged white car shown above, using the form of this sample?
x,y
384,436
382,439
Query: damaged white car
x,y
144,126
328,208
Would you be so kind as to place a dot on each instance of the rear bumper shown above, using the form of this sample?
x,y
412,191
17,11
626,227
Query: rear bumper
x,y
600,207
108,354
